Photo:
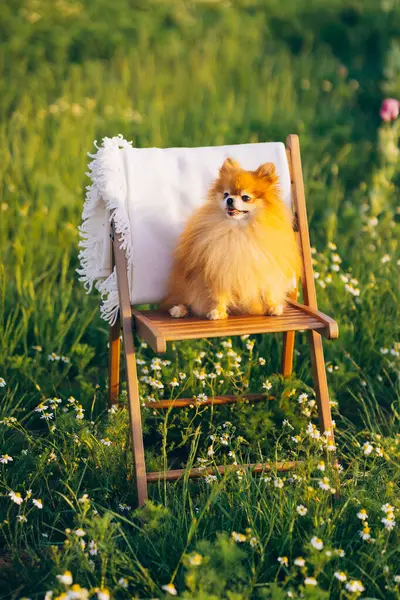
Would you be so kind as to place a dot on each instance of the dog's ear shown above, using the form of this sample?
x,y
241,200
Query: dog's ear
x,y
228,165
266,171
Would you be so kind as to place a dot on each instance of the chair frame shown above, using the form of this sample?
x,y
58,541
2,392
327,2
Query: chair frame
x,y
130,319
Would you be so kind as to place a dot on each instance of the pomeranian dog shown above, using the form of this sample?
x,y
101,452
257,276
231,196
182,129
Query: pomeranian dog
x,y
238,253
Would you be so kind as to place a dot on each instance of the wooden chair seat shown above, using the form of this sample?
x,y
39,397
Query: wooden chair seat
x,y
157,327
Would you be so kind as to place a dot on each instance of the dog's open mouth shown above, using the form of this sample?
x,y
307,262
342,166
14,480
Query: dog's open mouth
x,y
233,212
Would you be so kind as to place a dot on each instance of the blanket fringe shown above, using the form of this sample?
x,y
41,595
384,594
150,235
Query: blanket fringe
x,y
106,194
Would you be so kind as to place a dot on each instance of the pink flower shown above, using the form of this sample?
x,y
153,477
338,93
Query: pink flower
x,y
390,109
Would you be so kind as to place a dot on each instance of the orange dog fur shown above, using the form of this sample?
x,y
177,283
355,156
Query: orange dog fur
x,y
238,253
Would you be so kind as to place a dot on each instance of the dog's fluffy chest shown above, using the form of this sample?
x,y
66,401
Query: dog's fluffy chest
x,y
236,255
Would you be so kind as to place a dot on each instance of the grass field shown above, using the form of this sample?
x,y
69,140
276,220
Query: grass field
x,y
198,73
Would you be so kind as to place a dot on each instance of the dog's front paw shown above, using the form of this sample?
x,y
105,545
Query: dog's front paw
x,y
216,314
275,309
178,311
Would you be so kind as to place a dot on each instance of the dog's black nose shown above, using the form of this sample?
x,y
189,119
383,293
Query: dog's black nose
x,y
229,201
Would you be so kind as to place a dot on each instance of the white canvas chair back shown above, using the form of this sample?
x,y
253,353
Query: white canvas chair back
x,y
153,192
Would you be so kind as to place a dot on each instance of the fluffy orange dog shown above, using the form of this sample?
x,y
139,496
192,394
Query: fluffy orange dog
x,y
238,253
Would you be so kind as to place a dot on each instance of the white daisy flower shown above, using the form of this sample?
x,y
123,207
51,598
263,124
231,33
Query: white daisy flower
x,y
201,398
388,523
16,497
210,479
93,548
367,448
313,431
5,459
79,532
317,543
170,589
37,502
65,578
340,575
253,542
365,532
302,510
355,586
324,484
362,514
103,594
227,343
302,398
238,537
387,508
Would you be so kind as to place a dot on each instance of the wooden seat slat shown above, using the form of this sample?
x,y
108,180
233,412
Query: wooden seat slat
x,y
157,327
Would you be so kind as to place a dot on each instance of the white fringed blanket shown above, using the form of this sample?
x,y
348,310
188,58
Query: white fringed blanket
x,y
152,192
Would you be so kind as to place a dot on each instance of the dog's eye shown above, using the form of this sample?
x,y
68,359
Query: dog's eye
x,y
226,194
245,198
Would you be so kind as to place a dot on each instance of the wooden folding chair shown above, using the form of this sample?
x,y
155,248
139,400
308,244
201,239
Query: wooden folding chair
x,y
158,328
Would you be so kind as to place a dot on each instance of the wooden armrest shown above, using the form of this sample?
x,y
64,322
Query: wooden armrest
x,y
149,331
331,331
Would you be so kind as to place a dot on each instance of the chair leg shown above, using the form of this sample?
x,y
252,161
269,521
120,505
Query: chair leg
x,y
287,353
320,382
131,373
134,414
114,363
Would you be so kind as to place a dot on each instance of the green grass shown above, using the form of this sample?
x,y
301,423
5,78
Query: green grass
x,y
197,73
